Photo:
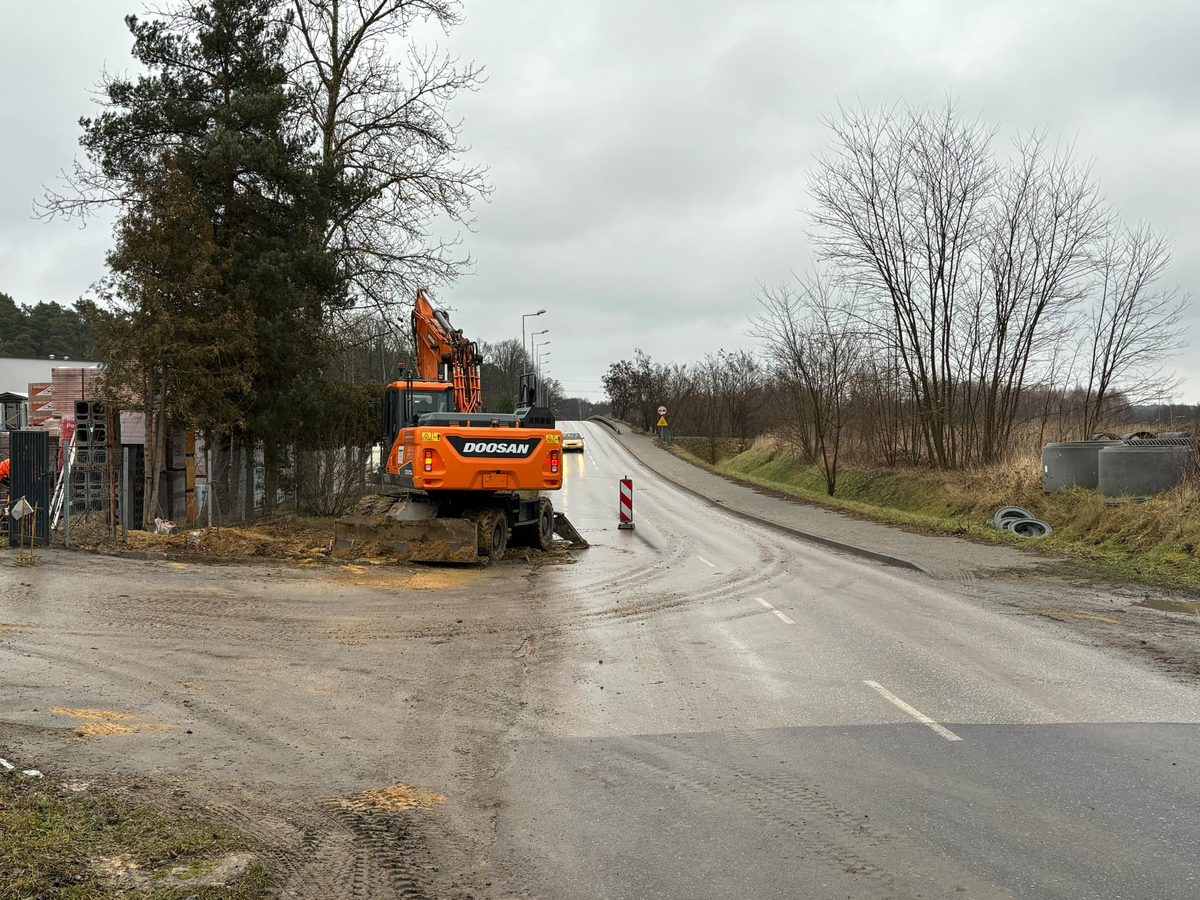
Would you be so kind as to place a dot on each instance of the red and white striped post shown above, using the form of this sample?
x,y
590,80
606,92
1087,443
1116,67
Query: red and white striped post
x,y
626,504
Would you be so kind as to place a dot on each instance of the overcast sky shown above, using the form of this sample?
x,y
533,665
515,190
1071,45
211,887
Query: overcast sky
x,y
649,156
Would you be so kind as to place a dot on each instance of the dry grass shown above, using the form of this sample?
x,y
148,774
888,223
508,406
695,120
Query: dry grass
x,y
55,841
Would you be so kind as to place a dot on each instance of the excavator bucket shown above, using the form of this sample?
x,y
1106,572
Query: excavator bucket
x,y
565,530
420,540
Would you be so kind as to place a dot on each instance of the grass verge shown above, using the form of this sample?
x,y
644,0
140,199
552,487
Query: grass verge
x,y
1157,541
55,842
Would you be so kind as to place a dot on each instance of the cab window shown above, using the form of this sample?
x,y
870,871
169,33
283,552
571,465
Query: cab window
x,y
430,401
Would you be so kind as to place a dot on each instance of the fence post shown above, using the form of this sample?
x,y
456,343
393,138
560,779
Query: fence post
x,y
125,494
208,480
66,495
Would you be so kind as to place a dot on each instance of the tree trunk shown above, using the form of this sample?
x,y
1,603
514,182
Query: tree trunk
x,y
270,476
147,463
155,467
235,477
248,455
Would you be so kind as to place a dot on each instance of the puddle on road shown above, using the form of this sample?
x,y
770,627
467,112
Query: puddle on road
x,y
1180,606
393,798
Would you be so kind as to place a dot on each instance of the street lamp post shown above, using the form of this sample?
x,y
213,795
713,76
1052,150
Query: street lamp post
x,y
543,361
532,358
537,366
523,318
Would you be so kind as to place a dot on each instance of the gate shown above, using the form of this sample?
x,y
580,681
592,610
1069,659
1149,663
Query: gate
x,y
30,478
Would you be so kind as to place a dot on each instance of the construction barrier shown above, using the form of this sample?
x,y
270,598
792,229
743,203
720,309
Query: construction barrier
x,y
626,507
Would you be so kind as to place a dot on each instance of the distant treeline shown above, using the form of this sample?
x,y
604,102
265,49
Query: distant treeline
x,y
43,330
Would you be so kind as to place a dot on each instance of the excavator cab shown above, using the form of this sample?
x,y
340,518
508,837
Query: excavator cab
x,y
406,402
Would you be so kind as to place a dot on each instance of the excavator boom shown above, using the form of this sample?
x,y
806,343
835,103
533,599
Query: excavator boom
x,y
443,354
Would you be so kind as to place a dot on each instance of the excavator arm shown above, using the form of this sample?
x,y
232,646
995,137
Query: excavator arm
x,y
443,354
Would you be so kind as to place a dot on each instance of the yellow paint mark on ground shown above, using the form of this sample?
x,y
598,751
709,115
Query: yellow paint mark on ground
x,y
320,690
177,565
7,628
103,722
101,729
108,729
195,686
105,715
408,580
393,798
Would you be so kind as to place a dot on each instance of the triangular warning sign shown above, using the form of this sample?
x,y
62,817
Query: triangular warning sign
x,y
662,422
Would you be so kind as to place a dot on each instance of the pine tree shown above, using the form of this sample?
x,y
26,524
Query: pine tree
x,y
176,344
216,99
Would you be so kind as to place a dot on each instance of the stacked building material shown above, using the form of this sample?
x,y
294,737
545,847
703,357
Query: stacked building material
x,y
41,402
70,385
93,472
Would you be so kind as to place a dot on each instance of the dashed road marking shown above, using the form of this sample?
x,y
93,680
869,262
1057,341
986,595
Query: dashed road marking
x,y
912,711
706,562
782,616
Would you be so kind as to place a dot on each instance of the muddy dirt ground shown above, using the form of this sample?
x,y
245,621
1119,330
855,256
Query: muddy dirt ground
x,y
326,713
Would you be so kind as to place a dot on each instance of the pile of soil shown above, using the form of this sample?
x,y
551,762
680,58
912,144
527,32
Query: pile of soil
x,y
281,539
300,539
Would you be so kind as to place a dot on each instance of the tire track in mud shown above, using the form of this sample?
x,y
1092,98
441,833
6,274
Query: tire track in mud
x,y
324,850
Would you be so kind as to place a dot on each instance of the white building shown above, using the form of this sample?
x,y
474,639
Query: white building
x,y
17,373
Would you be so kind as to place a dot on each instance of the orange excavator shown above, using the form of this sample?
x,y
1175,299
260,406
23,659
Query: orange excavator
x,y
459,483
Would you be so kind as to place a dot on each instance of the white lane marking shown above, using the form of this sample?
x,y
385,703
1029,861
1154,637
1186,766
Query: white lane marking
x,y
912,711
783,617
706,562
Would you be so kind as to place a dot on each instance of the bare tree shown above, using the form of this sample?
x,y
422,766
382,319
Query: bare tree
x,y
504,362
366,347
1047,214
390,156
1135,324
812,337
898,213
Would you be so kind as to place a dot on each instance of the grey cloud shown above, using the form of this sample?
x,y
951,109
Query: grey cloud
x,y
649,159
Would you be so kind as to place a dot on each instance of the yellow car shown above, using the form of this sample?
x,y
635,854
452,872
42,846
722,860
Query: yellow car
x,y
572,440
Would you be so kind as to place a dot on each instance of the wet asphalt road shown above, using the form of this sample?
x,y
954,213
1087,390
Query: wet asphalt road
x,y
747,716
700,708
